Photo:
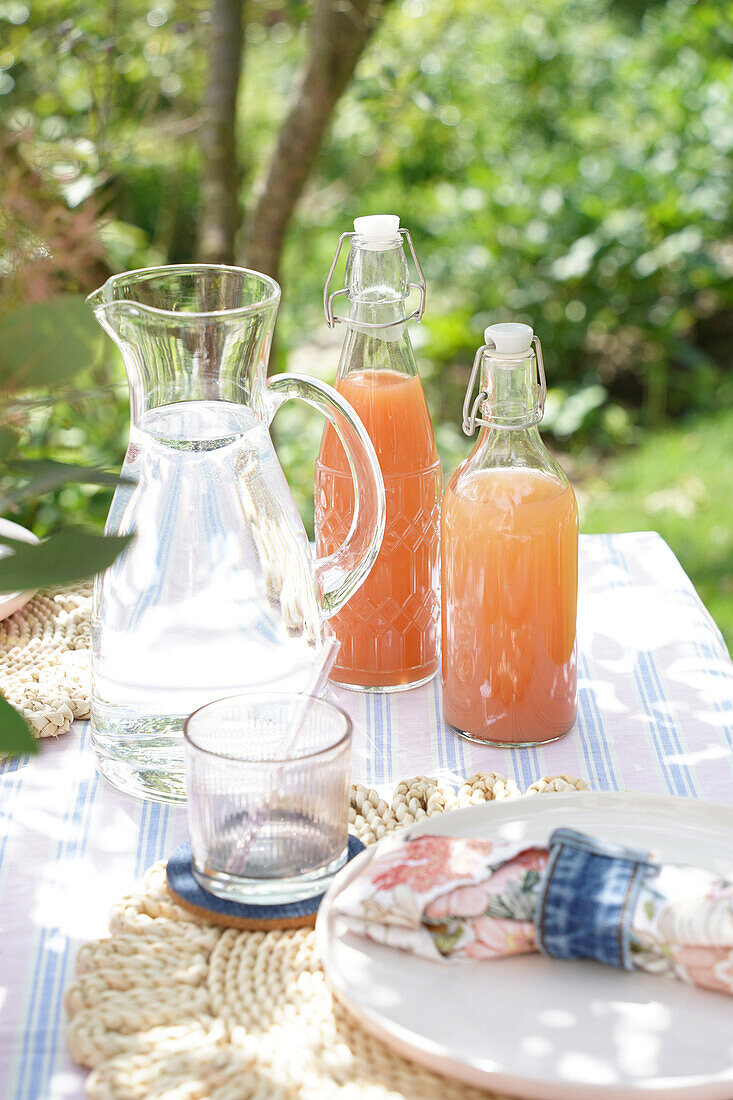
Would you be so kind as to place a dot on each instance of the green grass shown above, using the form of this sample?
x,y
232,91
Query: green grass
x,y
678,482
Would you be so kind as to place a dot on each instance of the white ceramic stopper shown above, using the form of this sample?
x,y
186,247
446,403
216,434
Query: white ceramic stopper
x,y
377,227
510,338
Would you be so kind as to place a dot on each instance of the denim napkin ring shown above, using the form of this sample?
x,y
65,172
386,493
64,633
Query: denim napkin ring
x,y
587,899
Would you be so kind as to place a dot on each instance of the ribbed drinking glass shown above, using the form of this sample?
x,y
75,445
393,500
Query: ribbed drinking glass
x,y
268,785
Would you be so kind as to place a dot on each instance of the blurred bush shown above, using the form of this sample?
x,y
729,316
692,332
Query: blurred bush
x,y
561,162
566,164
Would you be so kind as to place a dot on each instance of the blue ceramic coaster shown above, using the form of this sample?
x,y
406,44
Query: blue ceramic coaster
x,y
187,892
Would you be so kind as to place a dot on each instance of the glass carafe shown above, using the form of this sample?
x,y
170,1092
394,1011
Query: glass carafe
x,y
509,560
218,592
390,631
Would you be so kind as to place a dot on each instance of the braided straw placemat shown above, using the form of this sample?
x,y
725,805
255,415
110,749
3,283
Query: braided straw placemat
x,y
171,1007
44,660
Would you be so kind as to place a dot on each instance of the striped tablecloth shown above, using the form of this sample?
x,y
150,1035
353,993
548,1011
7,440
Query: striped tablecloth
x,y
655,715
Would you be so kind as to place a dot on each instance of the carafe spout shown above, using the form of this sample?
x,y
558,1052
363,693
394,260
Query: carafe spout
x,y
198,332
113,314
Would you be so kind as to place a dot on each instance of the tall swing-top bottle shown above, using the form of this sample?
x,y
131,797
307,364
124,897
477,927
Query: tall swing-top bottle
x,y
509,560
389,630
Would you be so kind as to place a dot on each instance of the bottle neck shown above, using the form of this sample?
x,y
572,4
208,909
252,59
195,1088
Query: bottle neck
x,y
377,281
511,436
511,402
512,398
378,287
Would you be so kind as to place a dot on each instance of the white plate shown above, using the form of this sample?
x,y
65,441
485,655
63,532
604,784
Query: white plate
x,y
535,1027
13,601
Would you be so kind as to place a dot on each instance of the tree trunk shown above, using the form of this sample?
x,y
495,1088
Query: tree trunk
x,y
339,32
219,215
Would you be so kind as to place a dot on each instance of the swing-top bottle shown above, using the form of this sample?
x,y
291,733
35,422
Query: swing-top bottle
x,y
389,631
509,560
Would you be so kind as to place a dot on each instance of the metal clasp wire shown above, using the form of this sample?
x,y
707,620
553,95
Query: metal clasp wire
x,y
470,410
332,319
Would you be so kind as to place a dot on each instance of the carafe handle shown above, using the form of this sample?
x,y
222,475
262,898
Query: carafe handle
x,y
341,574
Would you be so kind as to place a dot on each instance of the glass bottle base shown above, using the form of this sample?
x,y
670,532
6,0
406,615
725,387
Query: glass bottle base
x,y
383,689
465,736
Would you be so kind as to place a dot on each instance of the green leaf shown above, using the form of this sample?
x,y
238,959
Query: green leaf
x,y
498,907
15,737
45,343
45,475
446,941
529,881
71,555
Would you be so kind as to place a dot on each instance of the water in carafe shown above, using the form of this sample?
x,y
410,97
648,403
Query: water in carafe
x,y
202,467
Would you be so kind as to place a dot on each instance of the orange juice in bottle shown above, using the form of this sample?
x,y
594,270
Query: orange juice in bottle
x,y
509,561
389,629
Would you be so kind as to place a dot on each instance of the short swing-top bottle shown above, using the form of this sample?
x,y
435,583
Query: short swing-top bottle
x,y
509,560
390,630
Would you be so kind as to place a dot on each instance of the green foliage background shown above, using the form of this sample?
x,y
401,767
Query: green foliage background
x,y
562,162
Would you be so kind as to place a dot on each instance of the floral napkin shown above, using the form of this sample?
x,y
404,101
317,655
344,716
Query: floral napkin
x,y
448,898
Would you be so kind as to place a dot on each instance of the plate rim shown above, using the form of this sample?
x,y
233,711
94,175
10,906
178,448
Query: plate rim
x,y
10,602
421,1050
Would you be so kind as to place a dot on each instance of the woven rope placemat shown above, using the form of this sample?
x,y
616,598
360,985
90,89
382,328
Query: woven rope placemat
x,y
170,1007
44,660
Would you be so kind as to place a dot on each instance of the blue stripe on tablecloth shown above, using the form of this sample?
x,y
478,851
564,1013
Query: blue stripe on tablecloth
x,y
141,863
142,828
55,1009
382,735
443,735
13,763
376,766
49,970
372,740
153,831
436,730
11,789
726,728
142,838
677,776
450,745
618,559
593,738
529,766
365,726
462,747
665,736
388,719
